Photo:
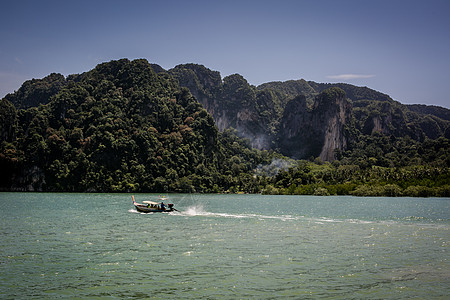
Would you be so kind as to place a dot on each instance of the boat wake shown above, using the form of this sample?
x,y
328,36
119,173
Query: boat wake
x,y
198,210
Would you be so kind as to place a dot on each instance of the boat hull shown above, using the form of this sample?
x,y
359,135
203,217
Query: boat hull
x,y
145,209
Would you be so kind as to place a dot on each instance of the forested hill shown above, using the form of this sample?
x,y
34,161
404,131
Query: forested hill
x,y
133,126
119,127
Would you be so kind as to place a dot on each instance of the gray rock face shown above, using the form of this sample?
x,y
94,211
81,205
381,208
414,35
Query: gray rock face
x,y
306,132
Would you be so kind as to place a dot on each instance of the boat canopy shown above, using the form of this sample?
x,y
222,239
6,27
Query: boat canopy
x,y
150,202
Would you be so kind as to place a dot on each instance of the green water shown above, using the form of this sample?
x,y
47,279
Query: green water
x,y
97,246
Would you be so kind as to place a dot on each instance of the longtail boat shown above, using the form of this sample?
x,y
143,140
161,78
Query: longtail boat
x,y
152,206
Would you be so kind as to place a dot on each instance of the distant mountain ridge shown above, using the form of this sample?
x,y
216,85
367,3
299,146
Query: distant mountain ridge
x,y
436,111
257,112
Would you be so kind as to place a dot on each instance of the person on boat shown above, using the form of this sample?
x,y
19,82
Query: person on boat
x,y
163,207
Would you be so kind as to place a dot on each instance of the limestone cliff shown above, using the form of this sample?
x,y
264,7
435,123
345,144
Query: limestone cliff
x,y
318,131
233,102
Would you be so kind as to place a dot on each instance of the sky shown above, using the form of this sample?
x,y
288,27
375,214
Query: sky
x,y
398,47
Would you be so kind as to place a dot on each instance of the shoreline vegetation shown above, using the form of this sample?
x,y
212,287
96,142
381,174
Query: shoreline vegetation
x,y
416,181
300,178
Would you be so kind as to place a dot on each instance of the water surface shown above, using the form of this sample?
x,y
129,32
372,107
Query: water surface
x,y
223,247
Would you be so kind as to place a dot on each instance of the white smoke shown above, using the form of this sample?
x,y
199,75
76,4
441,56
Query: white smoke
x,y
274,167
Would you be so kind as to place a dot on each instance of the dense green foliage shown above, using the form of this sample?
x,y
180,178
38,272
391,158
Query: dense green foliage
x,y
37,91
120,127
379,167
130,126
437,111
312,179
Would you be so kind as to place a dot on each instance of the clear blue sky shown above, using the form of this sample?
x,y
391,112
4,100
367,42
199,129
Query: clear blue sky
x,y
401,48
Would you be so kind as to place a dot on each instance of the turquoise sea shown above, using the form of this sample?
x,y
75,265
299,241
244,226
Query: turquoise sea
x,y
96,246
